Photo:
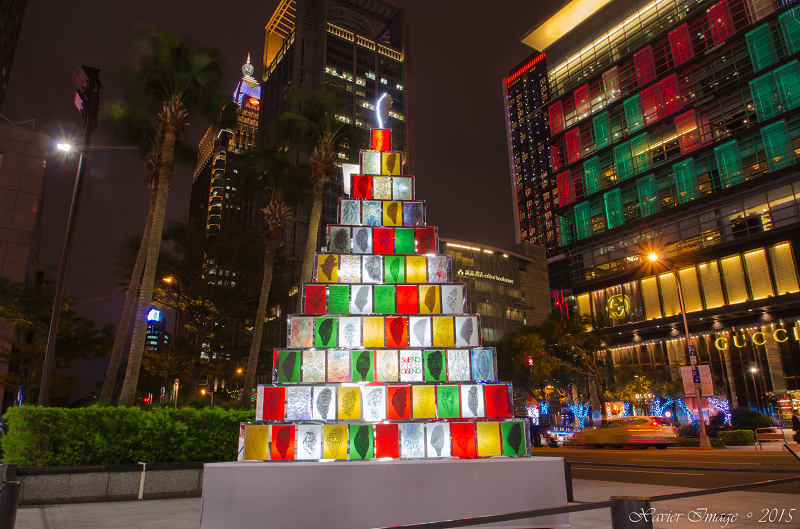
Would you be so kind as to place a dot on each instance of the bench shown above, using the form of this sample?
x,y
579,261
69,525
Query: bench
x,y
769,434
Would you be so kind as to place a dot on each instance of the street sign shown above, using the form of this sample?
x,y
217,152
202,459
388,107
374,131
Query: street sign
x,y
696,375
689,380
692,355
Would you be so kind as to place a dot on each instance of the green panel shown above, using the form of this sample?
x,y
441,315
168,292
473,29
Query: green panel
x,y
325,334
787,79
289,366
765,97
435,366
394,270
623,161
728,163
362,443
790,26
404,241
648,195
513,438
363,363
761,48
384,302
777,145
634,116
614,215
564,225
583,221
640,150
686,180
339,299
602,131
591,175
447,402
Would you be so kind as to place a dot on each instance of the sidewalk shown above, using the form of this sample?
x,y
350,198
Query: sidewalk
x,y
185,513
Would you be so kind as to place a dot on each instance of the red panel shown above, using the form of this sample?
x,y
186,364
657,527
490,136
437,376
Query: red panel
x,y
315,302
282,443
463,438
387,441
688,133
670,95
407,301
425,240
721,22
497,400
645,67
681,44
381,140
556,114
555,163
361,186
399,402
565,191
273,404
582,102
573,141
651,104
383,240
397,331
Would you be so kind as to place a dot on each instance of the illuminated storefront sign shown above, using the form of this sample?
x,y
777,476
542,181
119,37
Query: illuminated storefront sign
x,y
758,338
481,275
618,306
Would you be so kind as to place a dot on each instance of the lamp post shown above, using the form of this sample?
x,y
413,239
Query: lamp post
x,y
87,99
753,371
705,442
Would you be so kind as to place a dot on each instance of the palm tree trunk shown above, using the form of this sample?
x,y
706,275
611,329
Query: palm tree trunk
x,y
128,394
130,301
270,243
312,239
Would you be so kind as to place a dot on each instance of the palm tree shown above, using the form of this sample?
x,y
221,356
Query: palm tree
x,y
169,74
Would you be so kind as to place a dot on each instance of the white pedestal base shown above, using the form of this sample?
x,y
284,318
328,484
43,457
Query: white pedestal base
x,y
369,494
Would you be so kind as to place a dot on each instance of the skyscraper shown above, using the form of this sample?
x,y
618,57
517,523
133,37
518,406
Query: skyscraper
x,y
673,130
12,12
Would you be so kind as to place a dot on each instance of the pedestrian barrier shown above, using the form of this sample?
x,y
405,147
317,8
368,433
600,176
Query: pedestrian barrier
x,y
769,434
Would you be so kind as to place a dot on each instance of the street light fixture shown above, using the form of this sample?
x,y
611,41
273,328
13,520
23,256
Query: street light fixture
x,y
705,442
753,371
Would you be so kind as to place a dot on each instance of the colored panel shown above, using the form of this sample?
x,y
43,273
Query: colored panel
x,y
489,443
648,195
761,48
573,142
383,240
348,403
338,239
362,240
651,104
555,162
783,268
396,332
416,269
390,163
326,332
565,223
301,332
371,162
613,204
484,364
634,117
611,84
680,42
458,368
392,213
256,442
556,115
394,269
467,331
382,189
497,400
765,97
407,299
338,369
372,269
373,400
282,443
425,240
564,185
350,212
452,299
777,145
387,441
429,300
412,440
670,95
463,439
720,21
327,268
273,404
350,332
787,80
399,402
728,163
652,303
411,369
289,366
380,140
413,214
349,269
755,263
435,366
438,439
361,186
442,330
640,150
439,269
361,441
582,102
298,403
338,299
602,130
402,188
688,133
669,294
386,365
373,332
448,402
384,299
645,66
591,176
363,366
404,241
691,289
513,433
583,221
371,213
713,296
733,276
686,180
424,402
315,299
313,365
334,442
790,26
623,161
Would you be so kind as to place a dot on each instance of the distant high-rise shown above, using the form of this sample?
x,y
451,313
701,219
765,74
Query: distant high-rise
x,y
12,12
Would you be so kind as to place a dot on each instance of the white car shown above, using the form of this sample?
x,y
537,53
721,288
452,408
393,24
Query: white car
x,y
629,431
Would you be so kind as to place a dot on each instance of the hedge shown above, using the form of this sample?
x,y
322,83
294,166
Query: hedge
x,y
689,442
737,437
42,436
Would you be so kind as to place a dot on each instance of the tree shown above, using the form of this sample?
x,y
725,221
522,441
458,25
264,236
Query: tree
x,y
523,358
169,74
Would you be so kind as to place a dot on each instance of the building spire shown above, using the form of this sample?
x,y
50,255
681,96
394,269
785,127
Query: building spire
x,y
247,68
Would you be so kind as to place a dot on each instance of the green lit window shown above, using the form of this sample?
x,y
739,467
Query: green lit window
x,y
777,145
648,195
602,130
633,113
728,163
583,221
564,225
623,161
787,79
591,175
686,180
614,214
761,48
640,150
765,97
790,25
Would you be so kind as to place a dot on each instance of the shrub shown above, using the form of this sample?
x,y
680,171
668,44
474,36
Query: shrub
x,y
41,436
689,442
737,437
747,419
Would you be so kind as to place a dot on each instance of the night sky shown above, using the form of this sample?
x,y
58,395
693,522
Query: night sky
x,y
460,51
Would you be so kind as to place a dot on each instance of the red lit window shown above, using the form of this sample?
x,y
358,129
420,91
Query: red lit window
x,y
719,18
556,113
651,104
555,163
573,141
582,105
688,133
565,190
670,95
681,44
645,67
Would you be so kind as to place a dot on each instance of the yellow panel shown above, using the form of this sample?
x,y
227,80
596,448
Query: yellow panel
x,y
429,300
567,18
585,307
416,269
327,268
390,163
733,275
256,442
691,289
349,403
382,190
334,443
373,332
712,286
489,439
758,274
652,304
669,293
443,333
423,400
783,268
392,213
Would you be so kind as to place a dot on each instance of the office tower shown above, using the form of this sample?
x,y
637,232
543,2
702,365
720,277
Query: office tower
x,y
157,336
12,12
674,130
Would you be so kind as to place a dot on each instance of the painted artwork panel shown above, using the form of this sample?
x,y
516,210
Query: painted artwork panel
x,y
407,299
438,269
361,186
391,162
350,212
374,335
373,403
404,241
371,213
361,441
371,162
363,366
273,404
349,269
496,396
309,442
489,443
373,269
423,399
437,435
458,368
443,331
448,402
315,299
282,442
402,188
256,442
301,332
360,299
386,365
412,440
429,299
324,403
462,435
326,333
383,240
425,240
327,268
483,364
413,214
387,441
362,240
314,365
339,241
394,269
349,403
289,366
398,402
467,331
513,433
452,299
393,214
338,366
334,442
472,404
382,187
416,269
350,332
384,299
338,299
411,365
419,331
298,403
435,368
396,332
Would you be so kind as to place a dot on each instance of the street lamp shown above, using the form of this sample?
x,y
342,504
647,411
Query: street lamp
x,y
753,371
705,442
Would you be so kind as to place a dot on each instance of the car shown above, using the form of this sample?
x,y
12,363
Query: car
x,y
629,431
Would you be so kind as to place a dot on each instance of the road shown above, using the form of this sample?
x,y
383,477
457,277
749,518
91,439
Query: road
x,y
680,467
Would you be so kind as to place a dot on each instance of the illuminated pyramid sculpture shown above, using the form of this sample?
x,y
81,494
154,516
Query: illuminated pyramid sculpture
x,y
383,362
